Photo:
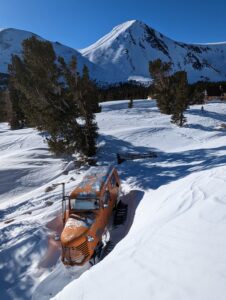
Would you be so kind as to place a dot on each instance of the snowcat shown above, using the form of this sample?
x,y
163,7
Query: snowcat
x,y
86,213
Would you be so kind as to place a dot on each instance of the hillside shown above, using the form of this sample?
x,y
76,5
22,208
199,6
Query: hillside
x,y
176,246
129,47
125,52
11,43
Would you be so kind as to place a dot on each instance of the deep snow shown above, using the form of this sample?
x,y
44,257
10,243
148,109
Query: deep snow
x,y
176,246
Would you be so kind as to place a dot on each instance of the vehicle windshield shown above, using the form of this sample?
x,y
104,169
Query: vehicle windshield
x,y
84,204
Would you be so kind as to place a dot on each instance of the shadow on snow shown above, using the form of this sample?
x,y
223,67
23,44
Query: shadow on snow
x,y
167,167
207,114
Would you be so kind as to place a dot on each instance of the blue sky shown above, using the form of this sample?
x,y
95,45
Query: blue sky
x,y
78,23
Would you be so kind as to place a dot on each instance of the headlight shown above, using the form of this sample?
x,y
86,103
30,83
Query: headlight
x,y
90,238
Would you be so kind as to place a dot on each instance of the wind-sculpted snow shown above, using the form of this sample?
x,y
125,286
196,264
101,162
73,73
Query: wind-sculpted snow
x,y
175,248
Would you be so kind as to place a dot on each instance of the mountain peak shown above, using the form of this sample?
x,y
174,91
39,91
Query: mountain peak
x,y
122,30
126,25
127,50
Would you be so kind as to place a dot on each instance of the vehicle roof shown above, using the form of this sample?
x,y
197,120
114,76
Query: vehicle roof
x,y
92,182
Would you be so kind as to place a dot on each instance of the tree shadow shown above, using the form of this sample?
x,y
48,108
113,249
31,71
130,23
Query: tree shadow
x,y
207,114
201,127
167,167
142,105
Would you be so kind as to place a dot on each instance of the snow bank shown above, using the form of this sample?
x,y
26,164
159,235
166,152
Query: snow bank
x,y
175,250
176,247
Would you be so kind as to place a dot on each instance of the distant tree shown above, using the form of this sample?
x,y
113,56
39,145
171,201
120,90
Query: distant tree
x,y
180,85
162,85
196,94
126,90
2,107
130,103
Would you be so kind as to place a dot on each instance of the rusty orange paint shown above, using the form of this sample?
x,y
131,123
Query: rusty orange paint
x,y
85,225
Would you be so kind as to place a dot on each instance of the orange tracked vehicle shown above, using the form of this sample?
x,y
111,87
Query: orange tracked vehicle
x,y
86,213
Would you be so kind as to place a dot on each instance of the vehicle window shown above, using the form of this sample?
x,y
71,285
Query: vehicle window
x,y
106,197
84,204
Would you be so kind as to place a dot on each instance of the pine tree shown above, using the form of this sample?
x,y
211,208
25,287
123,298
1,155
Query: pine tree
x,y
84,98
88,105
47,103
162,82
55,98
16,117
2,107
36,78
196,94
180,85
130,103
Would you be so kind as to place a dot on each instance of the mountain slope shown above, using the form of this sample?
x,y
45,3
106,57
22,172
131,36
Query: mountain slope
x,y
129,47
11,43
125,52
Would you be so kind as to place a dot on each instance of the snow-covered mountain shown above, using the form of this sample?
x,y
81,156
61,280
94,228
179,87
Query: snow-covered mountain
x,y
128,48
11,43
125,52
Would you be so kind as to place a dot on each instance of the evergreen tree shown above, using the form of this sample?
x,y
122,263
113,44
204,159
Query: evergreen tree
x,y
196,94
126,90
88,105
130,104
90,91
84,96
180,85
2,107
15,114
36,78
55,98
162,85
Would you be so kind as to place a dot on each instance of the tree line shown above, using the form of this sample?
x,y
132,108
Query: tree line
x,y
123,91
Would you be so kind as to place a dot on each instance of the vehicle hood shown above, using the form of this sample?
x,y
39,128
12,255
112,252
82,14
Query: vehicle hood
x,y
73,229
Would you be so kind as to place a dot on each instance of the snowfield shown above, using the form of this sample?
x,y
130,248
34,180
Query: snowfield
x,y
176,246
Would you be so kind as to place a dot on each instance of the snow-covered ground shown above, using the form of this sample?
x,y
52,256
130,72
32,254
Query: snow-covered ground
x,y
176,247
